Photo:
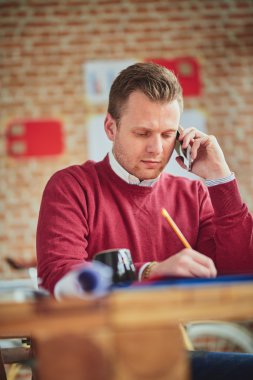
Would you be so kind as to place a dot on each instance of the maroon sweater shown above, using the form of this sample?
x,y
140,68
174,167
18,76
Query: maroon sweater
x,y
88,208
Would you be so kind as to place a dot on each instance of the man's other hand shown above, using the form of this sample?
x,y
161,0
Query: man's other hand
x,y
186,263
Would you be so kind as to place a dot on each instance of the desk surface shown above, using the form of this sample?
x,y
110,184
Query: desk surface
x,y
139,305
137,326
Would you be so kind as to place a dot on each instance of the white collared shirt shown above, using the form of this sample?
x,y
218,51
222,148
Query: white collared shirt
x,y
127,177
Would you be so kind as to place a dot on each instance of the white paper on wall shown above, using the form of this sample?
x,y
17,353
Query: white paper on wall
x,y
98,78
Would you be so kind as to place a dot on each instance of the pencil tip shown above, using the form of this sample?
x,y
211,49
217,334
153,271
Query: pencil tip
x,y
164,212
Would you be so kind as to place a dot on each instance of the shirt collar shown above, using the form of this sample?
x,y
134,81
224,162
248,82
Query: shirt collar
x,y
127,177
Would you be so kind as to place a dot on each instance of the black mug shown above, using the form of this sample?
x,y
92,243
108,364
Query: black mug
x,y
120,260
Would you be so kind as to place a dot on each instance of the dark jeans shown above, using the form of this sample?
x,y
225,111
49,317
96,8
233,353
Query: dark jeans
x,y
221,366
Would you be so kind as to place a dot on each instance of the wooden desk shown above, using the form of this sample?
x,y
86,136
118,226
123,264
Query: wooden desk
x,y
129,335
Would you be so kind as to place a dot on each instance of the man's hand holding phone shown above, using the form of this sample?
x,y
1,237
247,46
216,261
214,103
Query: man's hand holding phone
x,y
202,154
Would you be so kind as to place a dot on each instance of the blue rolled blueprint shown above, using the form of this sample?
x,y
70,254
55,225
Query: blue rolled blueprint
x,y
85,281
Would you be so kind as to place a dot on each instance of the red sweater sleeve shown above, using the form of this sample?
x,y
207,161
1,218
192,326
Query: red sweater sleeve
x,y
62,226
226,229
233,230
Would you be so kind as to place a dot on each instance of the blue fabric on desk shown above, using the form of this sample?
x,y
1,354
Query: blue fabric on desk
x,y
184,282
221,366
194,281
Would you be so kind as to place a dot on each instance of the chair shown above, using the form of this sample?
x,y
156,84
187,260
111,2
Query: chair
x,y
15,353
219,336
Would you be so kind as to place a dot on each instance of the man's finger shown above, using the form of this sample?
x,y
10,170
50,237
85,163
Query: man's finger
x,y
199,270
203,260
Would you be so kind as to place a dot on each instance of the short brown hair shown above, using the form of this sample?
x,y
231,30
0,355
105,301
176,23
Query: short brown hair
x,y
156,82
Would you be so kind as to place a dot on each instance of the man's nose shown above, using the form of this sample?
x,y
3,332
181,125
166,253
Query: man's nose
x,y
155,145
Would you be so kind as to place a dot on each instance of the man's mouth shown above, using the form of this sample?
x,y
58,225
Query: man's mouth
x,y
151,163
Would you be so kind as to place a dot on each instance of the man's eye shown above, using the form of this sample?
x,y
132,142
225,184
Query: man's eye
x,y
142,134
167,135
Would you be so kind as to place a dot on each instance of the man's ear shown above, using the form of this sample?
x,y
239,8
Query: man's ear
x,y
110,127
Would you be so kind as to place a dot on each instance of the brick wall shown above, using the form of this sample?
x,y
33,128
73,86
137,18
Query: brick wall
x,y
43,47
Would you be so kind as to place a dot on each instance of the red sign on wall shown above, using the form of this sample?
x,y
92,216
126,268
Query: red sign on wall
x,y
187,71
34,138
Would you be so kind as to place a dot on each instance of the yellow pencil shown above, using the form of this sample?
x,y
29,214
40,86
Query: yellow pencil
x,y
175,228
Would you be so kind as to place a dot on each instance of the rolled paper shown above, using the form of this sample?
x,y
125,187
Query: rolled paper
x,y
86,281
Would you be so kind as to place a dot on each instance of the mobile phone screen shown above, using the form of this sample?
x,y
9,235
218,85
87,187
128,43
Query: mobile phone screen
x,y
184,153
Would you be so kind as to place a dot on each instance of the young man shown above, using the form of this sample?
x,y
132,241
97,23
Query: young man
x,y
116,203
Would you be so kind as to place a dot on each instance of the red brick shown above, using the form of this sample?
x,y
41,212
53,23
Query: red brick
x,y
40,4
9,4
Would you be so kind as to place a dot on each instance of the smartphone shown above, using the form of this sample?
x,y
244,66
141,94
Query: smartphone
x,y
184,153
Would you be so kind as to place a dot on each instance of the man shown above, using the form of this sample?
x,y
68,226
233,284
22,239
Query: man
x,y
116,203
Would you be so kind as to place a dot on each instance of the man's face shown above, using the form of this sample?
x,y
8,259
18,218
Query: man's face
x,y
144,141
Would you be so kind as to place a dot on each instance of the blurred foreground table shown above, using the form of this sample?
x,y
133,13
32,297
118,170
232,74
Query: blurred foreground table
x,y
132,334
